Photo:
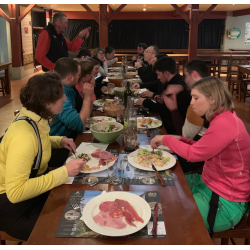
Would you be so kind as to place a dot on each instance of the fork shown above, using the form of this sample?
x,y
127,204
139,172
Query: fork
x,y
74,205
126,160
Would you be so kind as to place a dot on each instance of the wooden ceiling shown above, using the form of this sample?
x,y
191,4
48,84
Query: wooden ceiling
x,y
140,7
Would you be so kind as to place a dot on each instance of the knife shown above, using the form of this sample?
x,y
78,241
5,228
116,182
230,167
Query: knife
x,y
154,229
148,133
163,183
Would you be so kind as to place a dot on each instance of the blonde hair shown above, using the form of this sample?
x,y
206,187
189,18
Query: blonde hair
x,y
212,86
96,51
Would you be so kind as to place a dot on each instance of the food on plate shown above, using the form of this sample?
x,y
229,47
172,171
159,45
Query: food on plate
x,y
83,156
87,168
145,157
109,92
114,214
103,156
151,122
111,128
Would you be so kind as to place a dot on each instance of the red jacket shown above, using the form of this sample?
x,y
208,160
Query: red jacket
x,y
43,45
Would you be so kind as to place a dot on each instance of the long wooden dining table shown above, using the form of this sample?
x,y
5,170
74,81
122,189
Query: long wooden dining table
x,y
183,221
6,67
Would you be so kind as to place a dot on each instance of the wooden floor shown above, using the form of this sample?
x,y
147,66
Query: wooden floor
x,y
9,103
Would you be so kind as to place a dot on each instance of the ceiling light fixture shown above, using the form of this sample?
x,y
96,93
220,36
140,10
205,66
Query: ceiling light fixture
x,y
144,9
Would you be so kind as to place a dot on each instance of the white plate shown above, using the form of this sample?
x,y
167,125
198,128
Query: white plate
x,y
100,104
170,164
150,126
92,208
92,163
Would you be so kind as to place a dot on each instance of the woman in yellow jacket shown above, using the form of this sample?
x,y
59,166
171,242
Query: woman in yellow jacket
x,y
21,197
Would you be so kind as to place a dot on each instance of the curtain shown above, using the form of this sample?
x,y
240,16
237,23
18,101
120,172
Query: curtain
x,y
76,25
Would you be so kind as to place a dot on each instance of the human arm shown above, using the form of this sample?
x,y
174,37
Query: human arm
x,y
55,141
103,70
112,61
42,48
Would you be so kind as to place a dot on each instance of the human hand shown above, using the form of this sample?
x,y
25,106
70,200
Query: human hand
x,y
136,86
139,101
139,60
69,144
138,65
111,85
134,58
156,141
173,89
84,34
104,89
159,99
105,61
87,89
147,94
74,167
170,102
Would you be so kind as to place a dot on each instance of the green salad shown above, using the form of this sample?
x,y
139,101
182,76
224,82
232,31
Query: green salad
x,y
111,128
84,156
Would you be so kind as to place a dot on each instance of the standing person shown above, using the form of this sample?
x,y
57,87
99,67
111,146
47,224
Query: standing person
x,y
52,45
145,72
140,51
110,55
23,196
225,148
69,122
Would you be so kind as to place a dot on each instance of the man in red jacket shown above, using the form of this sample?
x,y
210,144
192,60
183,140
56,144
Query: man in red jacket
x,y
52,45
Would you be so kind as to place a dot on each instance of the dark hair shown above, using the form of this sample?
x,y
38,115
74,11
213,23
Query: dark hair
x,y
156,50
93,60
197,65
83,52
143,45
109,49
40,90
66,66
58,15
86,68
165,63
161,55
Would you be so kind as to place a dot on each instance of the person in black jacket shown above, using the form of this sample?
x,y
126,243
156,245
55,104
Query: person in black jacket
x,y
173,113
140,51
145,72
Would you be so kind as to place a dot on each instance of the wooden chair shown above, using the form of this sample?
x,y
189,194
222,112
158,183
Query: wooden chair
x,y
3,81
241,230
4,236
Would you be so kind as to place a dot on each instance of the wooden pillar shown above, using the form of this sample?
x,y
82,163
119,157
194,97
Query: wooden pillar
x,y
15,32
50,16
193,31
103,26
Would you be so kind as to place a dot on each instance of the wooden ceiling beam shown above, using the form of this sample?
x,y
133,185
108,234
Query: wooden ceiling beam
x,y
178,9
207,12
4,15
112,16
91,12
184,8
241,12
25,12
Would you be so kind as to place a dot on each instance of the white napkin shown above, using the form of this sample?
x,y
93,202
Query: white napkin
x,y
162,147
91,146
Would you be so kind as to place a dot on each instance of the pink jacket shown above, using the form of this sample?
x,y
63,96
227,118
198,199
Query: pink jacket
x,y
225,148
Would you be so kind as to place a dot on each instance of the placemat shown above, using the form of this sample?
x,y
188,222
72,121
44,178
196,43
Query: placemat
x,y
71,225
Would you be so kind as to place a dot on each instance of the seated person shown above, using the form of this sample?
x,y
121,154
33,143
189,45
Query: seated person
x,y
99,55
69,122
225,148
172,109
22,197
145,72
110,55
140,51
82,55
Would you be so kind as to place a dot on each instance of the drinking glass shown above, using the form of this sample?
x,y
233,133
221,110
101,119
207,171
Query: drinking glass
x,y
115,174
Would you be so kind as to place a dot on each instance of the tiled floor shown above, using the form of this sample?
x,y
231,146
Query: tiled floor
x,y
9,103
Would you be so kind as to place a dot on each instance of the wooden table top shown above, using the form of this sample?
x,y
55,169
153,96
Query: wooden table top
x,y
4,64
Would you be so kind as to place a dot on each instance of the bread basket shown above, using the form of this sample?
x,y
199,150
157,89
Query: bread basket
x,y
112,109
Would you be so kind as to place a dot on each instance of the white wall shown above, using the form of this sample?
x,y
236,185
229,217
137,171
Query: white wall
x,y
237,22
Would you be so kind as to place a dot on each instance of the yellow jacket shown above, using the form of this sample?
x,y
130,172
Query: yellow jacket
x,y
18,150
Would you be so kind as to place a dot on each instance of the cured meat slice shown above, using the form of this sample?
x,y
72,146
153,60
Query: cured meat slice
x,y
103,219
127,207
96,154
106,155
129,218
117,213
108,206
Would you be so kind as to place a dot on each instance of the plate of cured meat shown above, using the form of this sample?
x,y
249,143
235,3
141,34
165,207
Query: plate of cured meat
x,y
95,160
116,213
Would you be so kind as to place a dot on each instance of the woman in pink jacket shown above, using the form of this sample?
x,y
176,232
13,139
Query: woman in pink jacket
x,y
225,148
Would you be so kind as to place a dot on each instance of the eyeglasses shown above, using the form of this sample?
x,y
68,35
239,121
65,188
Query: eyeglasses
x,y
100,53
145,51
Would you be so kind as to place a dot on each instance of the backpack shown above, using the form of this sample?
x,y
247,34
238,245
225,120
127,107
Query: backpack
x,y
38,158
